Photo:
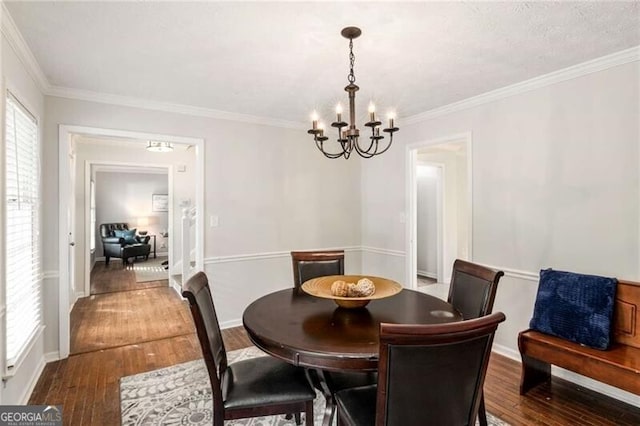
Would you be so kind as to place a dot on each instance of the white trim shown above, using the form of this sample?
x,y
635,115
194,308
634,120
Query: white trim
x,y
21,48
10,372
33,381
231,323
575,71
15,39
427,274
49,275
378,250
64,134
411,229
64,183
51,357
143,169
273,255
129,101
596,386
167,170
506,352
517,273
572,377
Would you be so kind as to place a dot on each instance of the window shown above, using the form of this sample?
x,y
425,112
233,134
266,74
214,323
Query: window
x,y
92,210
22,254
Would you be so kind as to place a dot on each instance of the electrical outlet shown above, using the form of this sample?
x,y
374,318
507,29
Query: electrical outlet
x,y
213,221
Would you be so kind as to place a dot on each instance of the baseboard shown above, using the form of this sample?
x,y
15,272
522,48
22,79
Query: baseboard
x,y
596,386
428,274
575,378
51,357
231,324
506,352
33,380
174,285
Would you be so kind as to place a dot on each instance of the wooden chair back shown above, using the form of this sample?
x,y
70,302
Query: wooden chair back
x,y
314,264
196,290
473,289
433,374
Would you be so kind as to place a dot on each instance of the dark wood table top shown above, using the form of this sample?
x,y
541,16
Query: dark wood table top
x,y
314,332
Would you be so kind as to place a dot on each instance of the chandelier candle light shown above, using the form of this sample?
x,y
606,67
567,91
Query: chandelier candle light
x,y
349,139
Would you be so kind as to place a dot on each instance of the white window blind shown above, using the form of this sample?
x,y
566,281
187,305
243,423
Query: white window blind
x,y
92,209
22,262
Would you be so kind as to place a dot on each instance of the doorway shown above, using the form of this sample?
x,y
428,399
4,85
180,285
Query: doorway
x,y
439,207
67,283
123,193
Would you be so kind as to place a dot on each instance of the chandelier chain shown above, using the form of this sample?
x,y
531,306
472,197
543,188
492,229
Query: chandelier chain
x,y
352,60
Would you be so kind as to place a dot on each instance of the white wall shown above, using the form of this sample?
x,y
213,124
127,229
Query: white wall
x,y
271,189
427,215
555,184
126,197
16,79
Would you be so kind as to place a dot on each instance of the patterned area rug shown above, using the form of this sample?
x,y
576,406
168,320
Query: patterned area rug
x,y
150,270
181,395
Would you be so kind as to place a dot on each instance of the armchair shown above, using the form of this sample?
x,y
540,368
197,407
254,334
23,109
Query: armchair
x,y
116,242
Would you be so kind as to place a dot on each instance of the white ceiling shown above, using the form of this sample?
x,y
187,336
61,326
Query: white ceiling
x,y
282,60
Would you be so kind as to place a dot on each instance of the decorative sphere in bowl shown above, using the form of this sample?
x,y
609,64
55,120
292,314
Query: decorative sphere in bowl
x,y
375,287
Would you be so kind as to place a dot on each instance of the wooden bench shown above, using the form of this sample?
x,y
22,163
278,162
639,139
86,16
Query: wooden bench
x,y
618,366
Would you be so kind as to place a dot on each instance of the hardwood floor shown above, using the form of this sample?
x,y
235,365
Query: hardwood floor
x,y
125,332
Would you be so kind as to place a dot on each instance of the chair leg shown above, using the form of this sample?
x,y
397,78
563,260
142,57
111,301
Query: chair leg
x,y
309,413
482,413
298,418
106,260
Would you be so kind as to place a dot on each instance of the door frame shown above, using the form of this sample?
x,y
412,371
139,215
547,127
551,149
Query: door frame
x,y
411,162
87,211
65,133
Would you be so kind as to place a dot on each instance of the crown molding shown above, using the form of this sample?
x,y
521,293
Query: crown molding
x,y
575,71
128,101
17,42
20,46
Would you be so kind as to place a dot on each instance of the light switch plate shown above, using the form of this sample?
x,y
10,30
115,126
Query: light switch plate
x,y
213,221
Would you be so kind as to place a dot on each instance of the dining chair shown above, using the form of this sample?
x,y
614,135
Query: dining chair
x,y
314,264
427,375
472,292
255,387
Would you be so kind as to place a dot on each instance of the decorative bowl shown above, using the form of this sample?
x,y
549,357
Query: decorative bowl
x,y
321,287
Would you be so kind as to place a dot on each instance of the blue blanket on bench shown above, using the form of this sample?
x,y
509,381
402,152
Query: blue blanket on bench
x,y
575,307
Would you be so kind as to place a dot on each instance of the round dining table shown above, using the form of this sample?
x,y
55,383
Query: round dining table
x,y
314,332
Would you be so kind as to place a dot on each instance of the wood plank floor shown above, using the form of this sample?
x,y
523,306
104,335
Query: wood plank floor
x,y
87,383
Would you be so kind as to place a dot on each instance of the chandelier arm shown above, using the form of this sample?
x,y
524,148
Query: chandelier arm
x,y
388,146
365,151
331,155
365,154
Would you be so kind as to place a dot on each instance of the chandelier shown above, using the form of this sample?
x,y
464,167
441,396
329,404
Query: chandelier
x,y
349,138
154,146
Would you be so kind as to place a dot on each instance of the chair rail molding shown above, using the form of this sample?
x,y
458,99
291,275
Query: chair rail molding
x,y
267,255
379,250
49,275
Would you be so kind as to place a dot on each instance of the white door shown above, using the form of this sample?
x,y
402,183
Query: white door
x,y
71,222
